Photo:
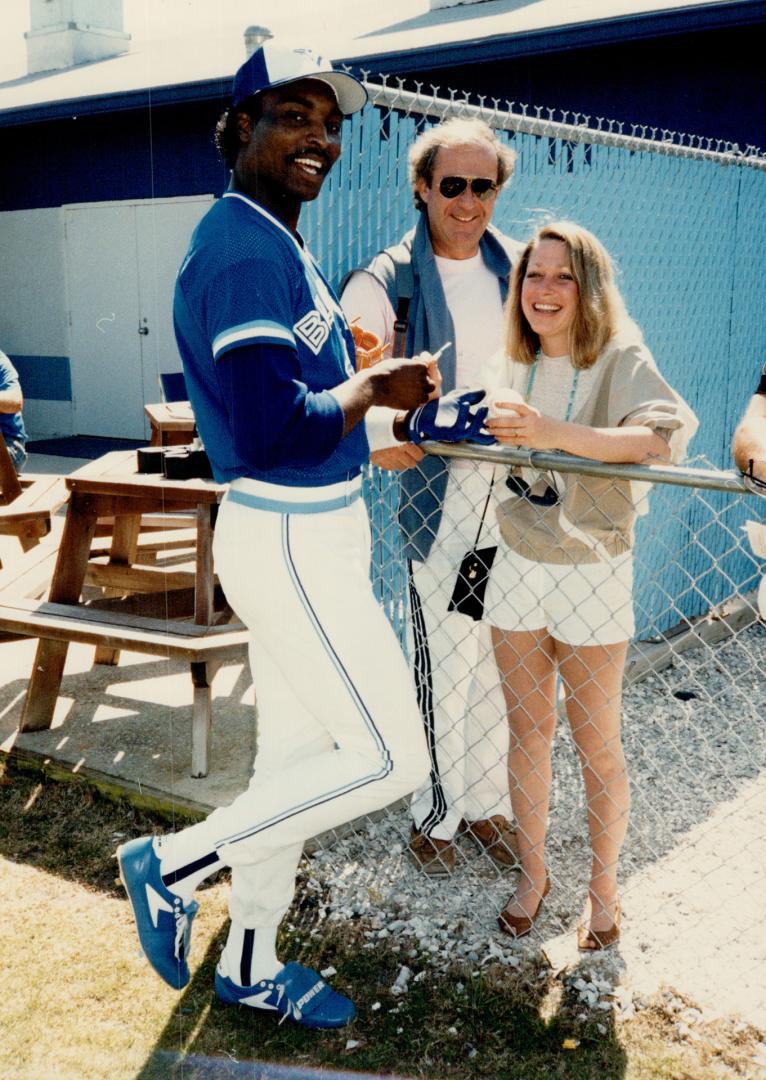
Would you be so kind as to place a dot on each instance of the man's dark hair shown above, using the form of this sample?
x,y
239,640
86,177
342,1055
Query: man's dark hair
x,y
226,133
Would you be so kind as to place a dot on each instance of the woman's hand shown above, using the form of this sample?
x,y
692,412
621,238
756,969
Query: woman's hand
x,y
522,425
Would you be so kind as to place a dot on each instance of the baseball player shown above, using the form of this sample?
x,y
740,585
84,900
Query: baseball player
x,y
444,285
266,353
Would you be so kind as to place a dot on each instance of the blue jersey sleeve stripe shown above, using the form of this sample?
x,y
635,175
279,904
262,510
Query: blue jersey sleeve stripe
x,y
260,332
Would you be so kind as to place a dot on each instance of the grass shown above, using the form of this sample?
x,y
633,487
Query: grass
x,y
84,1004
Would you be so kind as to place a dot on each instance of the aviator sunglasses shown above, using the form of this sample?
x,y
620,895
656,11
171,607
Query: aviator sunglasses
x,y
452,186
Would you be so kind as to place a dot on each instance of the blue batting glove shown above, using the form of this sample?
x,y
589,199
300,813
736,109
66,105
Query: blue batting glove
x,y
450,418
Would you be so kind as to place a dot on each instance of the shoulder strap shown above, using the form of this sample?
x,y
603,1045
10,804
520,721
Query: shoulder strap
x,y
392,267
404,281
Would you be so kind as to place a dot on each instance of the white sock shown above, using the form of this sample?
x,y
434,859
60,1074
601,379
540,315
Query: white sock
x,y
182,868
250,954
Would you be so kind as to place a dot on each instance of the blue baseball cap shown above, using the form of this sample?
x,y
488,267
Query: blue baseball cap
x,y
273,65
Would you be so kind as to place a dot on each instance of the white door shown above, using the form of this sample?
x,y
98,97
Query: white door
x,y
105,350
163,230
122,260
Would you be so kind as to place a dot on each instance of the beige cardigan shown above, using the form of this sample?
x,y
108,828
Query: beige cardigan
x,y
595,517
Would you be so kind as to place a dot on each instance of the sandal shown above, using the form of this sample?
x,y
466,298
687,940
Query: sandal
x,y
518,926
589,940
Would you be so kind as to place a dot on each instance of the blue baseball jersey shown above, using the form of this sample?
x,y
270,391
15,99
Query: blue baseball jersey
x,y
249,291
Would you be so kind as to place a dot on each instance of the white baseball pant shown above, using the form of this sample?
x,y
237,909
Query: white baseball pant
x,y
339,732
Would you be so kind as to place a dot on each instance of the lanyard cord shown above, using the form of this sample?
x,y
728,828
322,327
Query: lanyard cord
x,y
484,511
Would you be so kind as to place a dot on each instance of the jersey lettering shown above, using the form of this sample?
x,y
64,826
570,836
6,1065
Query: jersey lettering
x,y
313,331
313,328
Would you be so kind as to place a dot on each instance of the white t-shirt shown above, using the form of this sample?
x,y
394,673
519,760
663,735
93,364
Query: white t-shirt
x,y
474,302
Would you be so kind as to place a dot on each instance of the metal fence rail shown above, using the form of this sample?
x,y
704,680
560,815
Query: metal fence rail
x,y
541,120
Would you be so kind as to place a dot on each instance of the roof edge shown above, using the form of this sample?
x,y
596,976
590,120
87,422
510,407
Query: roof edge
x,y
585,34
204,90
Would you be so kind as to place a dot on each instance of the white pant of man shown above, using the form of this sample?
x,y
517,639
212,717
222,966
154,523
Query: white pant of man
x,y
456,674
339,733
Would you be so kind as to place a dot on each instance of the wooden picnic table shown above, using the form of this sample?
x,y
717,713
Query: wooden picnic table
x,y
140,607
172,422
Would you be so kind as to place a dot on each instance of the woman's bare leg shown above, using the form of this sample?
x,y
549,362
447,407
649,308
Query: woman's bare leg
x,y
526,663
592,677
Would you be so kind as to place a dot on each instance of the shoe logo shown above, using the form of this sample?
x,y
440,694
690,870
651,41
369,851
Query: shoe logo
x,y
260,1000
309,994
156,904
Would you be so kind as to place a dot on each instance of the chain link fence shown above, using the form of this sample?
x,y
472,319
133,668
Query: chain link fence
x,y
692,728
680,217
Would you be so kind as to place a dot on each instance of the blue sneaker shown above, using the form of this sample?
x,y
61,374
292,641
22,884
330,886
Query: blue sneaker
x,y
162,919
295,991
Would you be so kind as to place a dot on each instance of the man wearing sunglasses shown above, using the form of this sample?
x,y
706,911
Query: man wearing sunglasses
x,y
443,285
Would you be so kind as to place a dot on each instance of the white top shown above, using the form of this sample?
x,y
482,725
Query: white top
x,y
473,300
552,386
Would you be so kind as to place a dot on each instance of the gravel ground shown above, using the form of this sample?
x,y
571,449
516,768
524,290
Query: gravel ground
x,y
693,868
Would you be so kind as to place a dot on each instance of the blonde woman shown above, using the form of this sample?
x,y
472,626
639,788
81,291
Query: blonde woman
x,y
560,596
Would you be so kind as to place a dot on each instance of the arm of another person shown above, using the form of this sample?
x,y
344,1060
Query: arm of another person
x,y
528,427
750,438
11,397
365,300
11,400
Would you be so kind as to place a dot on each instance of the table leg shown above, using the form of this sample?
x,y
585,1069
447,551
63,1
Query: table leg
x,y
123,552
202,673
66,586
204,578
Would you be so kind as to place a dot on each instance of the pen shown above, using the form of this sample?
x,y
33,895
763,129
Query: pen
x,y
437,354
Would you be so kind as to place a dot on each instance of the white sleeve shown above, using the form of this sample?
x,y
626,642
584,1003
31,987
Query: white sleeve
x,y
495,371
379,423
365,300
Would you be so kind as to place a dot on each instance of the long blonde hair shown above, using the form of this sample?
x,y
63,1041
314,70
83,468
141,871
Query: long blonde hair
x,y
600,308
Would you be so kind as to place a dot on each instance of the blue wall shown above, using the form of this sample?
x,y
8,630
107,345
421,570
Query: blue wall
x,y
138,154
45,377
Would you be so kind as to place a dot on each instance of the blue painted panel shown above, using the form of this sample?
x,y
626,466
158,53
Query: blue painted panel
x,y
45,378
153,153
